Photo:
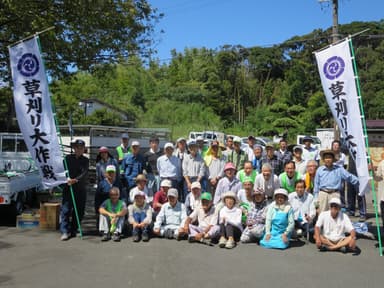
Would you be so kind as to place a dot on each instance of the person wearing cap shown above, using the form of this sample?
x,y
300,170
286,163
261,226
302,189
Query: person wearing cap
x,y
267,182
202,149
102,192
150,166
257,157
171,218
230,221
78,166
140,217
192,200
255,220
193,168
228,183
247,171
283,154
303,206
289,177
141,186
300,163
331,228
112,214
237,156
328,180
123,150
279,222
103,159
271,158
309,176
214,162
133,165
229,146
309,152
161,196
181,152
206,229
169,166
249,148
245,194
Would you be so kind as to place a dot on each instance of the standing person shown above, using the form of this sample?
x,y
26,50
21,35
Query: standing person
x,y
77,165
249,148
271,158
331,227
289,177
283,154
112,214
103,159
193,169
328,180
267,182
181,152
228,183
279,222
229,146
379,177
214,162
169,166
122,151
300,163
150,159
309,152
340,160
309,177
257,157
237,156
133,165
230,221
247,171
353,195
202,149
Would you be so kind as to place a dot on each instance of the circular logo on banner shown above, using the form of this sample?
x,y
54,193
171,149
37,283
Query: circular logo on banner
x,y
334,67
28,65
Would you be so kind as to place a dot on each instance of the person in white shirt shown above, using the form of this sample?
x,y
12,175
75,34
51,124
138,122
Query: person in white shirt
x,y
331,227
267,182
303,208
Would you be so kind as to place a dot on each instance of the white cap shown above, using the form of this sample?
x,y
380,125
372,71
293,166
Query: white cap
x,y
281,191
168,145
237,139
173,192
196,184
135,143
139,193
335,201
166,183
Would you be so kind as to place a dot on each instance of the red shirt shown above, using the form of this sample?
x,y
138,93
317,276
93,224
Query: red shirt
x,y
160,197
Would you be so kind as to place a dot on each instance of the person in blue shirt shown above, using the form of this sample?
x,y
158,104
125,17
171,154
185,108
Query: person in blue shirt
x,y
328,180
133,165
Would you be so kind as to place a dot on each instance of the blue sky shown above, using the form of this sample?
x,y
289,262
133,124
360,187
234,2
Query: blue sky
x,y
213,23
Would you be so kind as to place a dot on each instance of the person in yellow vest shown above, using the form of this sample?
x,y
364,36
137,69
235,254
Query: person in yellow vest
x,y
123,150
289,177
247,172
309,176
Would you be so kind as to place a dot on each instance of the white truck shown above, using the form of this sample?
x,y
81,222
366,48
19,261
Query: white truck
x,y
19,178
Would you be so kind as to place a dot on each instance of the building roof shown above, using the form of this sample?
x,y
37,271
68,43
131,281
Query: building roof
x,y
375,124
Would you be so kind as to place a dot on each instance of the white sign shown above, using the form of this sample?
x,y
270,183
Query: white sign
x,y
339,85
34,111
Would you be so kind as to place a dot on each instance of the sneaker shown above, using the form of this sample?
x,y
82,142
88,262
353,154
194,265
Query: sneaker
x,y
230,244
351,214
136,238
299,233
206,241
145,237
64,237
323,248
116,237
191,239
106,237
343,250
362,218
170,234
222,242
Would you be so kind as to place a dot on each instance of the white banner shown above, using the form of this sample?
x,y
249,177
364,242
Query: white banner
x,y
339,85
34,111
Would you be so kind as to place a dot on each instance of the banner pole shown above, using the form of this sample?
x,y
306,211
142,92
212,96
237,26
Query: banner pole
x,y
62,149
366,143
31,36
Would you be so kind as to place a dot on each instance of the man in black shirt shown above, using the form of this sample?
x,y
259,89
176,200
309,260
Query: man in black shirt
x,y
150,160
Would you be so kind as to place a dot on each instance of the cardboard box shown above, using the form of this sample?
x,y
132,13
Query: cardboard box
x,y
28,220
49,216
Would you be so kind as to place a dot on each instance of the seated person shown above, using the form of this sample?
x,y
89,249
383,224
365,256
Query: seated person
x,y
141,185
207,229
247,172
279,222
331,227
304,210
255,222
140,217
161,196
192,200
170,220
230,221
112,213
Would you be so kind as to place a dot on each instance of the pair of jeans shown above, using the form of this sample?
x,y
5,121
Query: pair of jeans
x,y
352,194
139,218
67,214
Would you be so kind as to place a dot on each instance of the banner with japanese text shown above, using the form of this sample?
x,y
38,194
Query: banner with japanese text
x,y
34,111
339,84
